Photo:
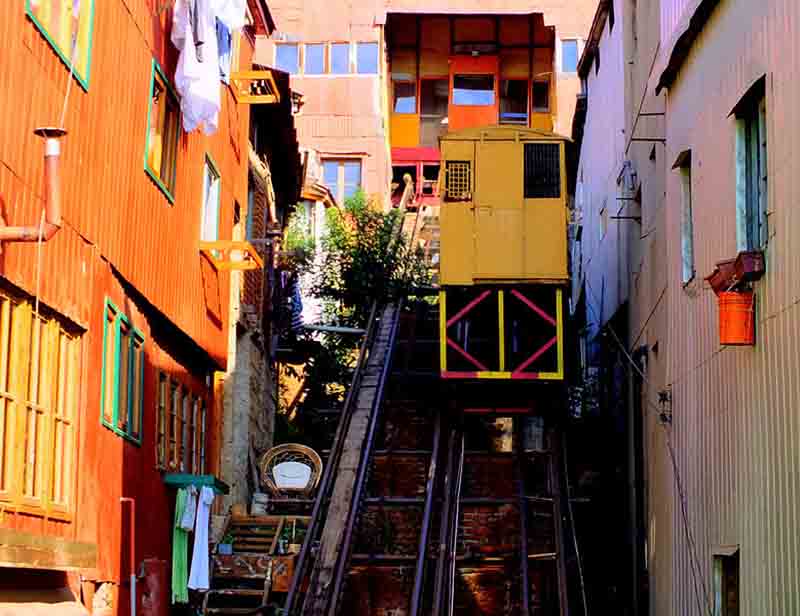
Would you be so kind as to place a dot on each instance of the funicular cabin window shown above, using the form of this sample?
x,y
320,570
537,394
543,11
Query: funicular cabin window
x,y
161,147
473,90
514,101
67,26
458,180
40,362
430,179
405,97
542,175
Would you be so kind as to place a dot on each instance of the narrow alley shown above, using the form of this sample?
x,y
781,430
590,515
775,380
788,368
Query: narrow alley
x,y
473,308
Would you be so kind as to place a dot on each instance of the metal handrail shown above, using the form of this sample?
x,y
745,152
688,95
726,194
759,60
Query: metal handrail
x,y
343,557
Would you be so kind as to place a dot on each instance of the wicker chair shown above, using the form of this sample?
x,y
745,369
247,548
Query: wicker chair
x,y
290,471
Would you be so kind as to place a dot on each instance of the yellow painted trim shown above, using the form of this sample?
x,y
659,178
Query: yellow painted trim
x,y
442,331
560,333
493,375
550,376
502,321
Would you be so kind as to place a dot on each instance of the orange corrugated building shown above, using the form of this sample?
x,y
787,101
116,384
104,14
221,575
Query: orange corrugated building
x,y
114,386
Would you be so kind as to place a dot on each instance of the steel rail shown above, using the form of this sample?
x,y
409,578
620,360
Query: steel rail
x,y
422,552
444,527
343,558
453,548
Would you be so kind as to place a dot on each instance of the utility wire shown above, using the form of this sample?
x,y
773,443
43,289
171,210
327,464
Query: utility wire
x,y
697,571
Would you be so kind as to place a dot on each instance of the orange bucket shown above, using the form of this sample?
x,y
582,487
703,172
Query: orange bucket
x,y
736,318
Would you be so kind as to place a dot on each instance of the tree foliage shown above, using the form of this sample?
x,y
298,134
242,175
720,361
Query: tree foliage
x,y
365,259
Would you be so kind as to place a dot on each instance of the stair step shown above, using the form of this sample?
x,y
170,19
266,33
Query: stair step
x,y
237,592
230,610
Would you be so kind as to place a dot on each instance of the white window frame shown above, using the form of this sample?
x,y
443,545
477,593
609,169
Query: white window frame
x,y
752,175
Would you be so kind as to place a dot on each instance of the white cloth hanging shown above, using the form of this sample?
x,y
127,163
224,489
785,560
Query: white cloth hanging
x,y
194,33
199,573
189,513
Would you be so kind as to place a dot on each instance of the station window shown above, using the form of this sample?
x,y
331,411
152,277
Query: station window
x,y
123,375
39,390
209,230
430,179
405,97
287,57
542,175
569,56
514,101
161,143
340,58
342,177
367,58
67,26
458,180
473,90
314,59
433,111
541,95
684,167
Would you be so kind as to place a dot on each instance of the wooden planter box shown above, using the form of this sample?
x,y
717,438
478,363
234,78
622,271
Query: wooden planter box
x,y
749,266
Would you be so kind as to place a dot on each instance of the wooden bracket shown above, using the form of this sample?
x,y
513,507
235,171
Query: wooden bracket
x,y
220,254
255,88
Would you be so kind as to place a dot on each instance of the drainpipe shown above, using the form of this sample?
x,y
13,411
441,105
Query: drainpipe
x,y
52,192
132,550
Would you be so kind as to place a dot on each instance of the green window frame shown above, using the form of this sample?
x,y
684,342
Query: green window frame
x,y
169,125
42,15
122,399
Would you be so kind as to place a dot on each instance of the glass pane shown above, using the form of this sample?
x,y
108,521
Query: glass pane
x,y
405,97
170,142
473,90
434,97
340,58
157,120
68,25
174,424
124,376
541,96
109,366
569,56
330,170
367,58
286,58
315,59
514,101
209,231
352,173
136,387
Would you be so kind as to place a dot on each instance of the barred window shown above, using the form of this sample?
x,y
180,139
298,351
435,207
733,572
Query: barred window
x,y
181,417
457,180
542,171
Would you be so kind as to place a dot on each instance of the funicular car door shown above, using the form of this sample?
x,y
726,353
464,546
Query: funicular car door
x,y
457,243
498,212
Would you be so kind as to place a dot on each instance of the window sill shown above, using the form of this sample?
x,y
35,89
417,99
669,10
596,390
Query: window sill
x,y
122,434
153,176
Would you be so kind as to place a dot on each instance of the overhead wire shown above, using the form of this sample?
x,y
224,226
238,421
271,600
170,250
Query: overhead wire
x,y
698,578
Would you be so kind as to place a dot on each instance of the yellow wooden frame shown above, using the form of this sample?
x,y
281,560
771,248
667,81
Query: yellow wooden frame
x,y
218,252
255,88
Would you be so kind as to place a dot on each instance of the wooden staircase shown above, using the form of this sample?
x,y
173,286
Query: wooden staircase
x,y
243,580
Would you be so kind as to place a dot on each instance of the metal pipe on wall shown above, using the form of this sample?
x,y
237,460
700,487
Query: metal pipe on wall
x,y
52,193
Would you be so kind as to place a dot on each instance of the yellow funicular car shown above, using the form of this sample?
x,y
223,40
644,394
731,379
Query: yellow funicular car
x,y
503,254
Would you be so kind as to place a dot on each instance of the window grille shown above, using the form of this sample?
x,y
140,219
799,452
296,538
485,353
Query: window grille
x,y
458,180
542,171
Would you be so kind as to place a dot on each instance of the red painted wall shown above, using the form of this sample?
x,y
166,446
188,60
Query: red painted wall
x,y
118,228
466,116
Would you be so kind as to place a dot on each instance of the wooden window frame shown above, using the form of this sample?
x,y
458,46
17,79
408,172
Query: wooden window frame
x,y
533,107
135,336
340,188
46,382
299,56
377,58
66,55
683,165
165,185
184,417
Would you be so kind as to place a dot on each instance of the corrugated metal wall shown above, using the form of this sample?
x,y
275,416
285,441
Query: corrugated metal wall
x,y
736,425
110,204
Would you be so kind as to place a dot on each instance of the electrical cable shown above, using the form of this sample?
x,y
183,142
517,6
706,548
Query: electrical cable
x,y
697,571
